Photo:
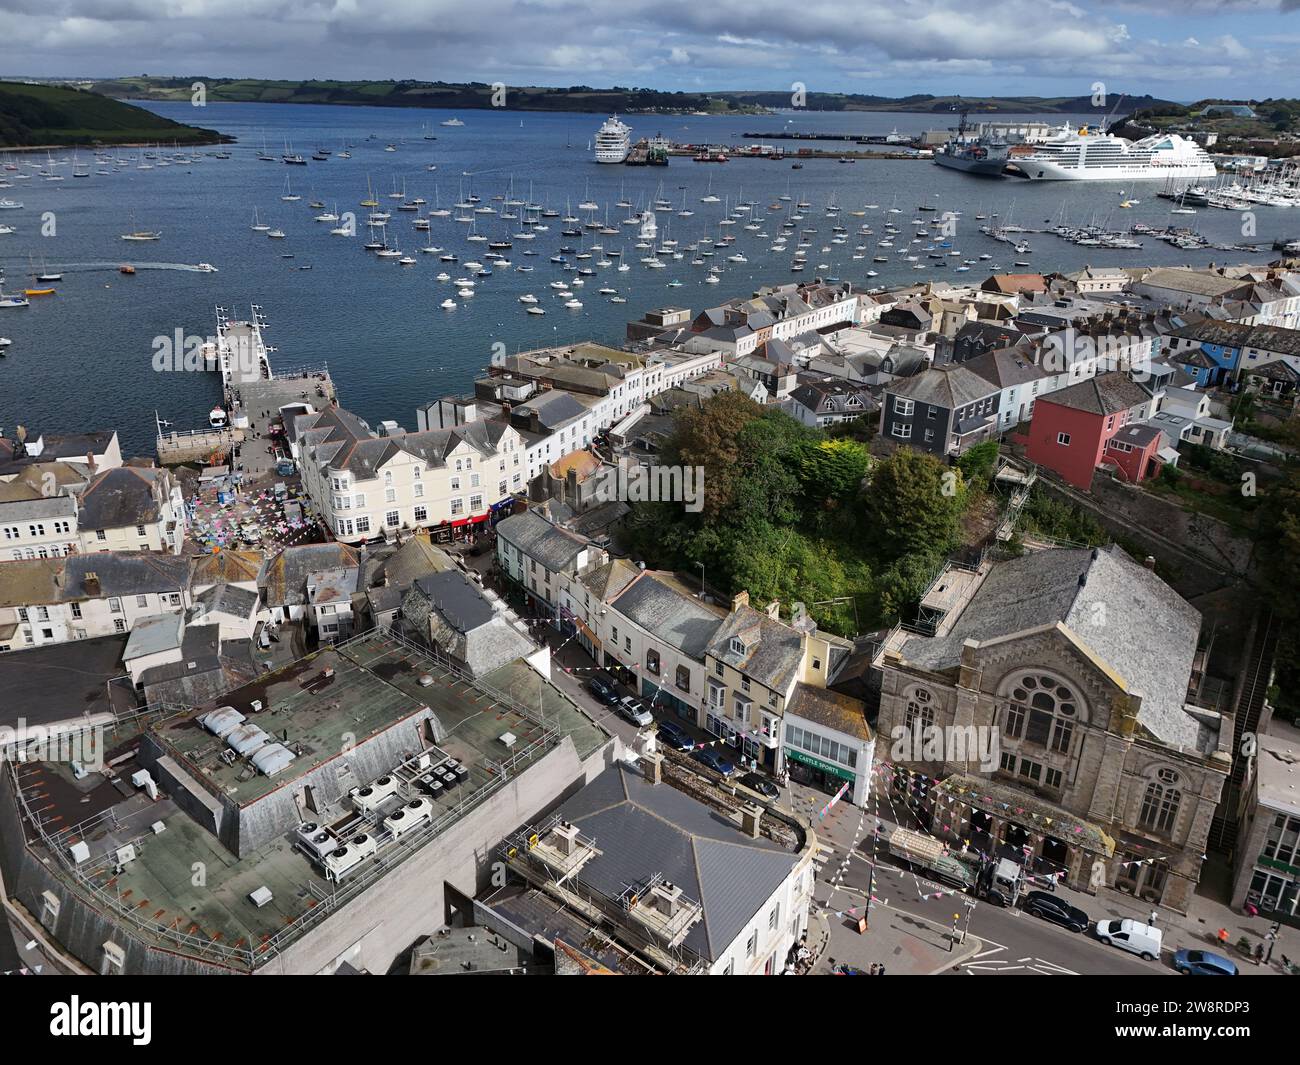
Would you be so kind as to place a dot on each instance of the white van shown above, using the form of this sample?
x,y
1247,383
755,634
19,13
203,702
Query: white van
x,y
1136,938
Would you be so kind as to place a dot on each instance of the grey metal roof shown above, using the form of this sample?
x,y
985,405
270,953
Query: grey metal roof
x,y
679,620
642,829
153,635
457,599
1137,625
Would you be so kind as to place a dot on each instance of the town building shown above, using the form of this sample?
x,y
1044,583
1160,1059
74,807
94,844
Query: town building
x,y
1266,872
1071,429
1077,668
340,807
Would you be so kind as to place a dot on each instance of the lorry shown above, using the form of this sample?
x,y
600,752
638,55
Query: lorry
x,y
1002,882
929,854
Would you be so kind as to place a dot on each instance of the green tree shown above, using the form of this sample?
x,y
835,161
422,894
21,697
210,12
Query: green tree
x,y
914,504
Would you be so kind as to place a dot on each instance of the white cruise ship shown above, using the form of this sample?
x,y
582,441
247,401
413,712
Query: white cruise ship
x,y
1086,155
613,141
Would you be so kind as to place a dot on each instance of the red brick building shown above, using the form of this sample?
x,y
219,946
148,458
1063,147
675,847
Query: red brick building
x,y
1072,430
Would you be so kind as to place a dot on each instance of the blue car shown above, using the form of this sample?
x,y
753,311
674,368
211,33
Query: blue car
x,y
675,737
714,761
603,692
1203,963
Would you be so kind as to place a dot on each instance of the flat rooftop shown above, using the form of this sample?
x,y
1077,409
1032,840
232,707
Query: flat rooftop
x,y
376,681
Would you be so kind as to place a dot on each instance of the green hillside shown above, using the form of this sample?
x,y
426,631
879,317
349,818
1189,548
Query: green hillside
x,y
477,95
37,115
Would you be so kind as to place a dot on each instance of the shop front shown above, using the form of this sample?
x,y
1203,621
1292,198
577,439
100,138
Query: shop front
x,y
813,772
661,697
746,748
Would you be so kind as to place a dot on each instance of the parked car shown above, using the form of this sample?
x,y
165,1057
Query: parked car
x,y
714,761
1058,911
284,467
1203,963
1133,936
675,737
757,782
631,710
603,692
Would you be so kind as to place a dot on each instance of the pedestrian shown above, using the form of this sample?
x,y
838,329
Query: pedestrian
x,y
872,970
880,971
1152,919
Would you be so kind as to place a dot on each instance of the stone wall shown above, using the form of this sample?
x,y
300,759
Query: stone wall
x,y
1197,553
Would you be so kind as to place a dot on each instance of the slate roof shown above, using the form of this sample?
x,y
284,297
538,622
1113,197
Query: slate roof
x,y
773,651
949,386
679,620
539,539
284,577
226,599
1005,367
415,558
1135,624
1107,393
120,497
1277,370
831,709
339,439
1196,282
1239,335
642,829
553,408
124,573
1139,434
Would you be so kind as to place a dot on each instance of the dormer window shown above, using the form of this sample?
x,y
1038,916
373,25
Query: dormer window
x,y
737,645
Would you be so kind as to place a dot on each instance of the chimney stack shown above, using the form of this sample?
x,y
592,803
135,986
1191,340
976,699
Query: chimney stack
x,y
750,816
91,583
1150,562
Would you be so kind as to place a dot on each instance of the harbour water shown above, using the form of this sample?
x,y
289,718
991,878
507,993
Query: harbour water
x,y
84,358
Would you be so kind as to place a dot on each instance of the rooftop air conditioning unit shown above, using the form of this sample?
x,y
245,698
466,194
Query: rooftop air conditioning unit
x,y
411,816
369,798
315,840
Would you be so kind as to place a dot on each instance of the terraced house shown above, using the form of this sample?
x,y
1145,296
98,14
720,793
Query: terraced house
x,y
368,485
45,601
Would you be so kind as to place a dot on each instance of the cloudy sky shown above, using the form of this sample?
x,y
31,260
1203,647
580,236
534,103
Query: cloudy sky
x,y
1179,49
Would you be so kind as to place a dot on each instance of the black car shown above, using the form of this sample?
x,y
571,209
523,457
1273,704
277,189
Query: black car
x,y
1050,908
602,691
675,737
760,784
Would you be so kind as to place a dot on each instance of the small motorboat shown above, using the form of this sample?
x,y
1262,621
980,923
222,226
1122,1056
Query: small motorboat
x,y
126,269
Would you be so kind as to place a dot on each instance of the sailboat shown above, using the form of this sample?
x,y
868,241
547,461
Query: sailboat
x,y
370,200
289,195
258,225
708,197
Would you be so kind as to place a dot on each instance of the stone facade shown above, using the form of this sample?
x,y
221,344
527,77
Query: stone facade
x,y
1088,758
